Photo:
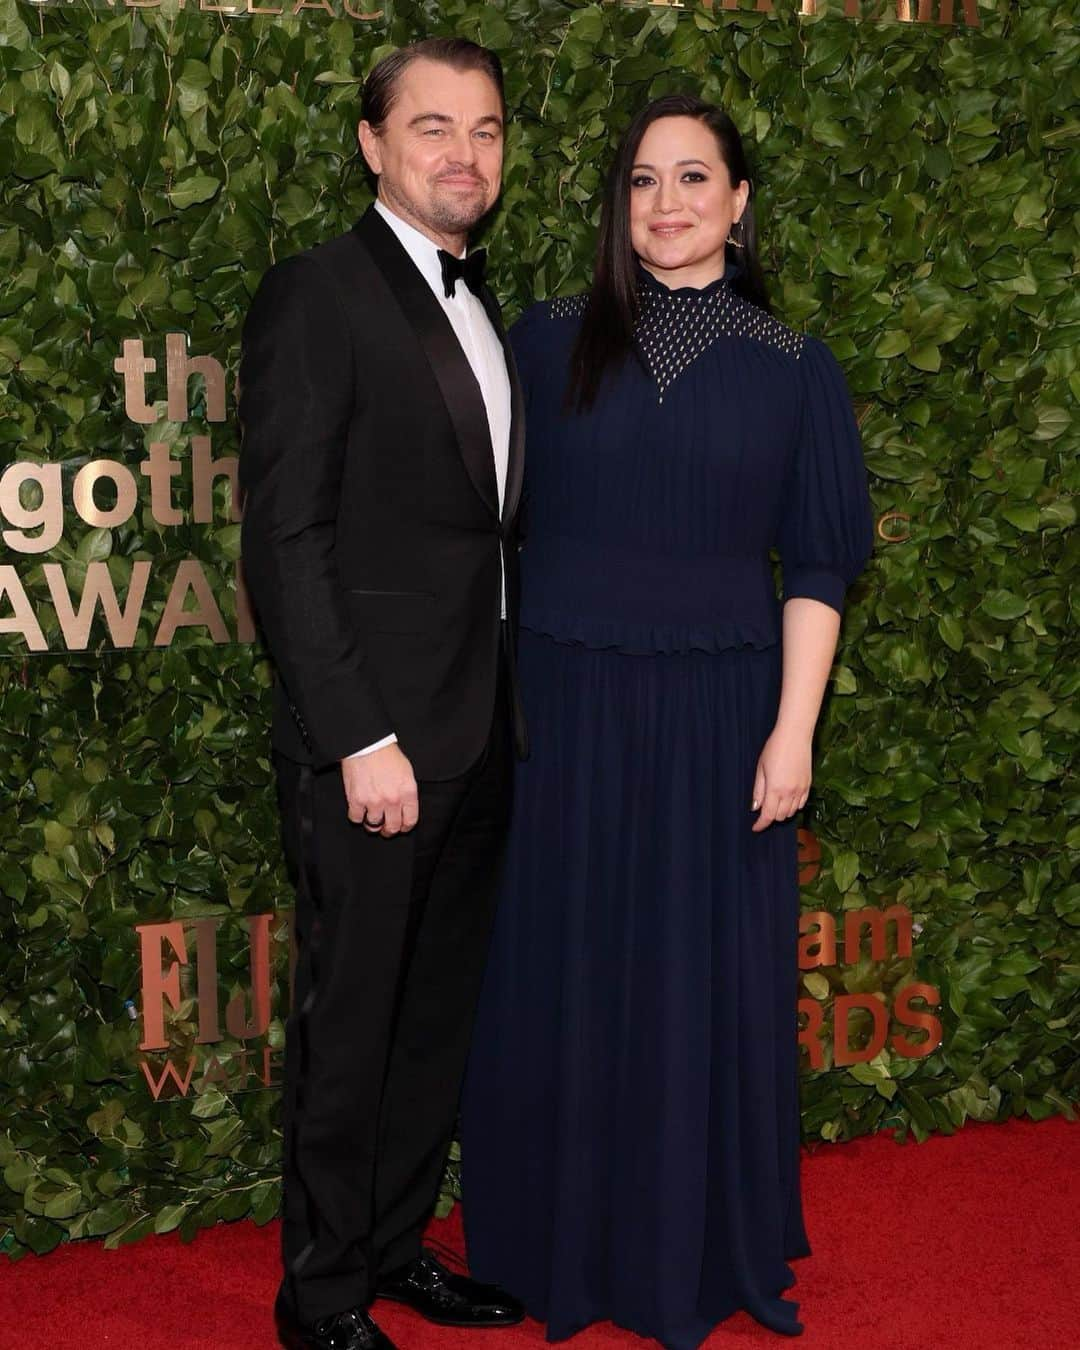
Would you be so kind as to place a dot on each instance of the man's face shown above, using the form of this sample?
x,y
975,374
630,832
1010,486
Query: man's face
x,y
439,152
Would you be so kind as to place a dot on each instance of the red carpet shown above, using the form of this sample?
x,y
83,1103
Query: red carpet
x,y
963,1243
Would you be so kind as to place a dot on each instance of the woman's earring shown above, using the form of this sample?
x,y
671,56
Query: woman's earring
x,y
737,243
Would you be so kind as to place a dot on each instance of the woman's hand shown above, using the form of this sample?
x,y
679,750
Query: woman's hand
x,y
782,781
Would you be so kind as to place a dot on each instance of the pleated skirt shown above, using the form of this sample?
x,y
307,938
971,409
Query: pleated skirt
x,y
630,1114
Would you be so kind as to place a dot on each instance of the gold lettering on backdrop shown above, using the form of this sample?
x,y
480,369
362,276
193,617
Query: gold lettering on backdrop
x,y
207,976
32,515
862,1022
48,516
205,471
22,619
809,852
82,496
157,1085
921,1021
133,367
875,920
810,1032
179,368
160,983
871,11
236,1020
817,940
817,949
190,577
123,624
886,532
161,469
167,968
843,1006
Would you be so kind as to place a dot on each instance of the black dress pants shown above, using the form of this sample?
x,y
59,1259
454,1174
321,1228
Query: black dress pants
x,y
392,937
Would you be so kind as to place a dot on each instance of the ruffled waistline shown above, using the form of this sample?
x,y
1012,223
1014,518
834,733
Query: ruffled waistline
x,y
647,639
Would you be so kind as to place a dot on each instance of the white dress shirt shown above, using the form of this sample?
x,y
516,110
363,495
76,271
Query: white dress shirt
x,y
482,349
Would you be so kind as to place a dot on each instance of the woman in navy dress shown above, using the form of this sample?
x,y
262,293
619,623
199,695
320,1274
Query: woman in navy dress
x,y
631,1113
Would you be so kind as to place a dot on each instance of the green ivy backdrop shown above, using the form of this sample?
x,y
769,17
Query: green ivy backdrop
x,y
920,193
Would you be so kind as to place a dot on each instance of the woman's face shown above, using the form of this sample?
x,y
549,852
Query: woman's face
x,y
682,204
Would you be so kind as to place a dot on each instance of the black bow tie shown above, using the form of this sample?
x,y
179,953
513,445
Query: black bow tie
x,y
469,269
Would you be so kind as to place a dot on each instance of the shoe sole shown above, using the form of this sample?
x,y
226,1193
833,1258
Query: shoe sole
x,y
492,1324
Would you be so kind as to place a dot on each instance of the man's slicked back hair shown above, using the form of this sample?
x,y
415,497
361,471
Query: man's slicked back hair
x,y
381,85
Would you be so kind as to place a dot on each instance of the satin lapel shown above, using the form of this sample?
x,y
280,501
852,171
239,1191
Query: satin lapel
x,y
515,469
456,381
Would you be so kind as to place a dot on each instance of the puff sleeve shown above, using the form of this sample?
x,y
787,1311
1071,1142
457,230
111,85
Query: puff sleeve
x,y
825,535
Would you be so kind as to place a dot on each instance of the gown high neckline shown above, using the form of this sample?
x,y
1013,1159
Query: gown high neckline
x,y
652,289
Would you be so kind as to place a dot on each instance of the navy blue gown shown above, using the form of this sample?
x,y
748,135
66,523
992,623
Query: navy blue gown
x,y
631,1114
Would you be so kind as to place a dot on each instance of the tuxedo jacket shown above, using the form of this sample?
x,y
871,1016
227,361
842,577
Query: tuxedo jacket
x,y
372,534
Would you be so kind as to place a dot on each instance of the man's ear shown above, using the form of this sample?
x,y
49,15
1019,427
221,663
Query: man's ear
x,y
370,146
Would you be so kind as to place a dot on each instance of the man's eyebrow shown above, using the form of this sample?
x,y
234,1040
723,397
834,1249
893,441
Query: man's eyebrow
x,y
444,119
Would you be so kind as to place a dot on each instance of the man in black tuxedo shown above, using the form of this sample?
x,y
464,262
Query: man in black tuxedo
x,y
382,467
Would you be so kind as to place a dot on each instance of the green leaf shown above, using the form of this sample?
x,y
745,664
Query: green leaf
x,y
926,356
1023,518
169,1217
894,343
106,1218
817,986
844,681
191,191
1053,422
1003,604
952,632
94,546
1030,211
64,1204
845,869
12,879
59,80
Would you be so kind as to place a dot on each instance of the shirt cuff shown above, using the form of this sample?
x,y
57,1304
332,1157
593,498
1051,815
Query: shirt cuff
x,y
377,745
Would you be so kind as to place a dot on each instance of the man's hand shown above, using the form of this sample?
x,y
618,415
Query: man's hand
x,y
381,791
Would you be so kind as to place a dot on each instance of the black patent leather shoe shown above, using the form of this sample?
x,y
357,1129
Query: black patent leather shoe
x,y
351,1330
447,1299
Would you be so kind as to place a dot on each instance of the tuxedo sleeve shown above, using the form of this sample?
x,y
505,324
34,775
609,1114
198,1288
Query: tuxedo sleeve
x,y
297,394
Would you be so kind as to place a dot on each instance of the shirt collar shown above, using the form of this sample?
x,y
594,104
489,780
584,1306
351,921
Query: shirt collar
x,y
423,252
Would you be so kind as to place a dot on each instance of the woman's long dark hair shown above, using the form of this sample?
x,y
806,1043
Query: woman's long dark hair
x,y
607,326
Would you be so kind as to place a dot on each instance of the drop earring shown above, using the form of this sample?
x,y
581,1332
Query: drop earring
x,y
737,243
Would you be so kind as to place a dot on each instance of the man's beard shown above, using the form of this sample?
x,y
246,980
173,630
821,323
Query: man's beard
x,y
456,218
442,214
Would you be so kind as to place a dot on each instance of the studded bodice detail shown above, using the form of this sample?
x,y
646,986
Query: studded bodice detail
x,y
674,327
654,513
